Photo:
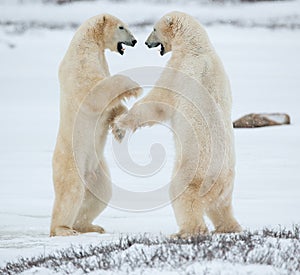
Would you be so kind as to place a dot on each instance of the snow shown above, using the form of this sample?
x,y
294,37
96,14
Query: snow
x,y
257,14
279,118
263,66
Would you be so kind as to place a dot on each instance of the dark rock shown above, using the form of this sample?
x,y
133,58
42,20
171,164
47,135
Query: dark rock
x,y
262,120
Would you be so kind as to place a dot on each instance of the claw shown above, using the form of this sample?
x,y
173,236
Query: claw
x,y
118,133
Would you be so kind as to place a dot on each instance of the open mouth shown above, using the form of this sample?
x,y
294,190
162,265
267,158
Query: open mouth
x,y
156,44
120,48
162,49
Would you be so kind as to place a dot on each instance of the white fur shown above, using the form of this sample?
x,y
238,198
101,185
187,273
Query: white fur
x,y
195,189
90,100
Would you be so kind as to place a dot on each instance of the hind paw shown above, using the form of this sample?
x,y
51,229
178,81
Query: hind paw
x,y
64,231
91,228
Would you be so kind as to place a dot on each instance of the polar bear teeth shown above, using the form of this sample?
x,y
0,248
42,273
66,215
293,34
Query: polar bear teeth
x,y
120,48
162,49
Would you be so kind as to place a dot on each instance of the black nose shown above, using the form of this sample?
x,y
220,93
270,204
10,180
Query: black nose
x,y
133,42
147,44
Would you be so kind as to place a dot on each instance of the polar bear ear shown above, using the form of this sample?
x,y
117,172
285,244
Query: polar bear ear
x,y
169,20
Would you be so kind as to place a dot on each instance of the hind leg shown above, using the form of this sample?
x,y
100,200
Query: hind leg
x,y
188,207
96,198
68,198
221,214
90,209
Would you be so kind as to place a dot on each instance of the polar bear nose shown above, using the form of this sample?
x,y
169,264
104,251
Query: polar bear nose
x,y
133,42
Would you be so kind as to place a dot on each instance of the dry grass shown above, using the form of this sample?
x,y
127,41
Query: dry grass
x,y
276,248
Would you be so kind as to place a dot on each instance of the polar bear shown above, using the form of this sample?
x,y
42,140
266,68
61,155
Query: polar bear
x,y
203,174
90,100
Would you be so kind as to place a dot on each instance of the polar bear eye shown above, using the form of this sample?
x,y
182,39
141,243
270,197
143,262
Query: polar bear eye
x,y
121,28
154,29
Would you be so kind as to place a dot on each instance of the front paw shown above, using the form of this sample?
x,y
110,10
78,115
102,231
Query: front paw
x,y
118,132
119,127
133,92
122,123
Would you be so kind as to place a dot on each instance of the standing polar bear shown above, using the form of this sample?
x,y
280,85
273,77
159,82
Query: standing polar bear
x,y
193,93
90,100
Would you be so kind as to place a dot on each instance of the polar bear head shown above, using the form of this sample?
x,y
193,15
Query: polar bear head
x,y
110,32
176,29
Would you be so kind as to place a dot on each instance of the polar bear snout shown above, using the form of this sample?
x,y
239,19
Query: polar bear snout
x,y
130,43
152,45
152,40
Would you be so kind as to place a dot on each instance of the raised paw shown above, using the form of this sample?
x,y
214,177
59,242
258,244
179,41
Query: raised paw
x,y
118,128
134,92
118,133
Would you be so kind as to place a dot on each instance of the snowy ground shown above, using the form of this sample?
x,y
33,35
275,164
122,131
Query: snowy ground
x,y
263,64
